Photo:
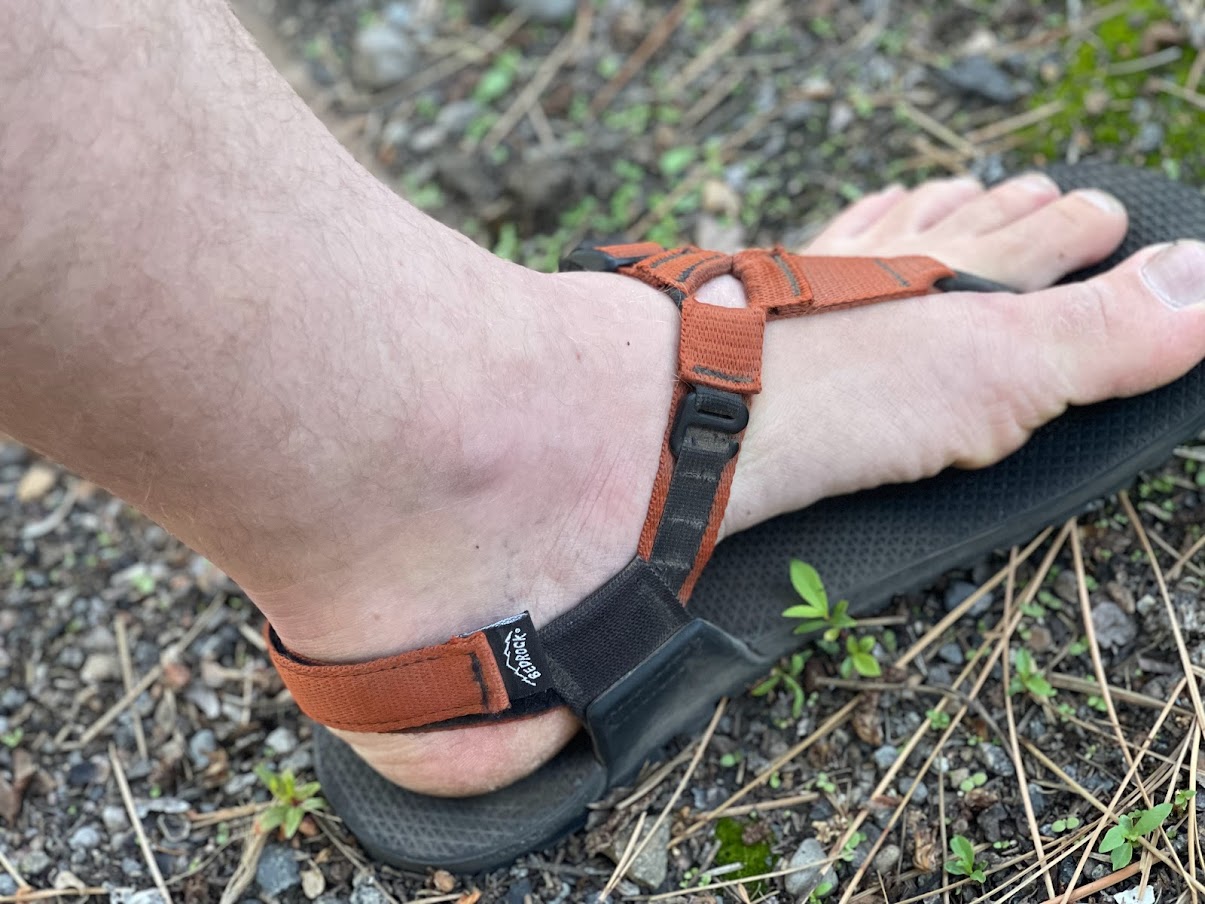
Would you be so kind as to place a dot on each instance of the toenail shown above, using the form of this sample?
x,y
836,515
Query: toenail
x,y
1101,199
1177,274
1037,183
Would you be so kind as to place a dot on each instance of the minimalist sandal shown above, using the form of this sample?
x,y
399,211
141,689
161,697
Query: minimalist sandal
x,y
631,660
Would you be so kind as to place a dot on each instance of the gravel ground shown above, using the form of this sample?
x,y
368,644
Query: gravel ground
x,y
529,130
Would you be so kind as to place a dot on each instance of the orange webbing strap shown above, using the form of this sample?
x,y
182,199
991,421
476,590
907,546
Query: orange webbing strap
x,y
502,669
449,681
721,347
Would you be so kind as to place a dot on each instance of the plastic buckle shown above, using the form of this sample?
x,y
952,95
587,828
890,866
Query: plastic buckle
x,y
595,260
712,409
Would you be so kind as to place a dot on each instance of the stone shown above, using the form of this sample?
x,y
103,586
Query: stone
x,y
1114,629
951,653
313,883
277,871
996,760
546,11
650,867
200,746
807,879
8,885
114,818
366,891
887,859
281,740
957,593
885,757
1150,138
34,864
978,76
1066,587
146,896
12,699
382,56
100,667
85,838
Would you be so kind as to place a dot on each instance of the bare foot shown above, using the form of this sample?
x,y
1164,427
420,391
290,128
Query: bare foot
x,y
553,497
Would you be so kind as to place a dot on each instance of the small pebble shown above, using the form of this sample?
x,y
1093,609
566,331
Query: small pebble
x,y
277,871
957,593
887,859
34,864
804,881
885,757
366,892
7,885
146,896
200,746
100,667
84,838
281,740
951,653
996,760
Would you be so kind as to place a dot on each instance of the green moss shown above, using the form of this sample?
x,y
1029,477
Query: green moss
x,y
1097,94
756,858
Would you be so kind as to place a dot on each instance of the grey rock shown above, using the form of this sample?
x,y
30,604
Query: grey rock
x,y
456,116
200,746
1114,629
114,818
72,658
281,740
650,868
518,892
426,140
1039,801
34,864
887,859
548,11
957,593
920,795
840,115
100,667
298,761
366,892
277,871
808,878
146,896
12,699
131,868
330,898
951,653
85,838
1066,587
958,776
1150,138
886,756
996,760
203,698
8,885
382,56
979,76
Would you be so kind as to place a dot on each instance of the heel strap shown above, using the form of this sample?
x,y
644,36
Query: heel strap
x,y
511,669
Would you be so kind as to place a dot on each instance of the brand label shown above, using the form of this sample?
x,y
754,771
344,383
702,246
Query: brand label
x,y
520,656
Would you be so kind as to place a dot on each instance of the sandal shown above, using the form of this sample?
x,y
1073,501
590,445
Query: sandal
x,y
636,666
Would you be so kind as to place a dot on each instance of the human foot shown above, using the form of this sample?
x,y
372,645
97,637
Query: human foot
x,y
894,392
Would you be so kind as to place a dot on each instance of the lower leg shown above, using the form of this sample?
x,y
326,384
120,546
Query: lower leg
x,y
388,436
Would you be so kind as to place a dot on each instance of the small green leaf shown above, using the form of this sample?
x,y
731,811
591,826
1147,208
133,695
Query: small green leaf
x,y
806,581
811,627
1039,686
798,701
979,876
804,610
310,804
962,848
1113,839
309,789
1149,820
265,775
956,868
293,821
1023,662
766,686
674,162
798,660
1122,856
846,668
271,818
867,665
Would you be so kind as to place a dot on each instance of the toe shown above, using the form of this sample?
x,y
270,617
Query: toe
x,y
1000,206
1064,235
1130,330
925,206
856,219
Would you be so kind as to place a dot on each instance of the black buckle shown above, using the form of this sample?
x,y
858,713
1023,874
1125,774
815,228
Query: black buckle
x,y
712,409
595,260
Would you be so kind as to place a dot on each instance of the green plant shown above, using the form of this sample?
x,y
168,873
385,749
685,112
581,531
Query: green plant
x,y
788,677
939,720
497,80
851,846
964,863
971,782
1130,829
1029,677
859,658
1182,797
815,610
12,737
824,783
290,802
1063,825
821,891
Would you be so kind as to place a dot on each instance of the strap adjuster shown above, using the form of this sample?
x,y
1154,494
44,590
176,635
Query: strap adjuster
x,y
596,260
711,409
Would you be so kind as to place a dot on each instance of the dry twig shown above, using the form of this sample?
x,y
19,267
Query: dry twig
x,y
127,798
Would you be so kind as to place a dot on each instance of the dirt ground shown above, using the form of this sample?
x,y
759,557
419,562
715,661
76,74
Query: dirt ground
x,y
124,657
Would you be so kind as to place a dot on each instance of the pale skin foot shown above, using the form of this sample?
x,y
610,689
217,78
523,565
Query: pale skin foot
x,y
386,435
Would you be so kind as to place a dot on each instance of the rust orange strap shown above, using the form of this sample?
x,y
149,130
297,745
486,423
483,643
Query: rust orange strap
x,y
510,669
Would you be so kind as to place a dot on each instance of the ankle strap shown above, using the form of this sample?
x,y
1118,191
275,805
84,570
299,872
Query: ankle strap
x,y
510,669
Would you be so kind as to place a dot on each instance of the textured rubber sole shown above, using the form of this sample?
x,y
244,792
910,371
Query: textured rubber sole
x,y
868,546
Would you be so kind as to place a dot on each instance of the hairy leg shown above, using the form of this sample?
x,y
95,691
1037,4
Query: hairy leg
x,y
386,435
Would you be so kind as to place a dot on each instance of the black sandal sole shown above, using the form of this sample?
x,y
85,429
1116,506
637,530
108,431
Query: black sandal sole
x,y
867,546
